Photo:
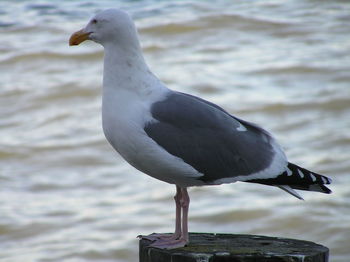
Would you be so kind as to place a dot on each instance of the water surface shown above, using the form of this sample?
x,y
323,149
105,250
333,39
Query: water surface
x,y
65,195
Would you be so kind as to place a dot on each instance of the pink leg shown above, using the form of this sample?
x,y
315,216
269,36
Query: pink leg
x,y
185,203
177,233
183,239
177,199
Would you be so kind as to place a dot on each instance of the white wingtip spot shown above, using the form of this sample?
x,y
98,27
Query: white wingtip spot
x,y
289,172
313,177
301,174
241,128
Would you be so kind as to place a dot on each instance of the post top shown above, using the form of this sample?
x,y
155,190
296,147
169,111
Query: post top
x,y
220,247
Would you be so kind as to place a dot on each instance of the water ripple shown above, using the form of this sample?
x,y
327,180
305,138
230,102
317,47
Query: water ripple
x,y
66,195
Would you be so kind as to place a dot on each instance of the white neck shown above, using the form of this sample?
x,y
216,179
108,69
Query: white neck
x,y
125,68
129,89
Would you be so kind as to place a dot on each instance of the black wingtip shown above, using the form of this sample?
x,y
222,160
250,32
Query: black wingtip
x,y
299,178
325,189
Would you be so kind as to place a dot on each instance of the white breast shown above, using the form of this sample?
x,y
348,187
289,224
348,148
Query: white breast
x,y
124,115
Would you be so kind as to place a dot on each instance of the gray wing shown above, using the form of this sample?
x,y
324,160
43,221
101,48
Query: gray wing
x,y
208,138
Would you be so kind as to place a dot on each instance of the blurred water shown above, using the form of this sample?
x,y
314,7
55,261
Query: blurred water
x,y
65,195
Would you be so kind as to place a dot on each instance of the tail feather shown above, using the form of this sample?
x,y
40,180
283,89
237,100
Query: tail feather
x,y
296,177
291,191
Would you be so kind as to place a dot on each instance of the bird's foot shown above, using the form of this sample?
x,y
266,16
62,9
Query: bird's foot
x,y
169,243
158,236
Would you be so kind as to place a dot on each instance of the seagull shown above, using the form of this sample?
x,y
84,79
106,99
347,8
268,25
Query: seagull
x,y
176,137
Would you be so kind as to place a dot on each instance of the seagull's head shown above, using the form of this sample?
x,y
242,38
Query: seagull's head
x,y
109,26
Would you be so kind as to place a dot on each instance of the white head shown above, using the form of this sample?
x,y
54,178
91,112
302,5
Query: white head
x,y
111,26
124,65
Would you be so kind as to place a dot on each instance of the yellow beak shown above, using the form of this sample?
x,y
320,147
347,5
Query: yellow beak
x,y
78,37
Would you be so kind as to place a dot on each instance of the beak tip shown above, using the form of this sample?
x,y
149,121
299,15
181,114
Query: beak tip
x,y
78,37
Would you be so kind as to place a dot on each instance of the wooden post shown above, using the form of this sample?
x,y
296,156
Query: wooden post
x,y
205,247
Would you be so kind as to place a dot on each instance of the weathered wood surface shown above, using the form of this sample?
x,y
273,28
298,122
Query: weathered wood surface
x,y
205,247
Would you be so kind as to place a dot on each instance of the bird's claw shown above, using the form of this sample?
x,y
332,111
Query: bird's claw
x,y
155,236
172,244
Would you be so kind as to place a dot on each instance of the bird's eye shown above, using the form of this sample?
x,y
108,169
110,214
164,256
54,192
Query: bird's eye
x,y
94,21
